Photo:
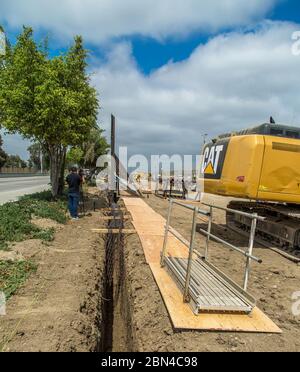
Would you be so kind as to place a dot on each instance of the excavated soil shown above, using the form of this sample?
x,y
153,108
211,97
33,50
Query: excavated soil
x,y
73,303
272,283
59,307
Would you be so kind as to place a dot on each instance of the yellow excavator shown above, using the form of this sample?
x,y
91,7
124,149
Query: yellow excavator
x,y
260,165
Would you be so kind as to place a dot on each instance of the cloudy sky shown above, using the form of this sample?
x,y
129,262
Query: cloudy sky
x,y
173,70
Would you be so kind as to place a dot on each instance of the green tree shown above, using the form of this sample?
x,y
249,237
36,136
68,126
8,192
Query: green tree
x,y
95,146
87,154
3,155
15,161
35,151
74,156
48,100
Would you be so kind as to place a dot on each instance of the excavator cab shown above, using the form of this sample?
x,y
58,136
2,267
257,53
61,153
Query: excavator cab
x,y
260,165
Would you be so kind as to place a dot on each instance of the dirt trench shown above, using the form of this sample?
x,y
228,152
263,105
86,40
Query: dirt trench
x,y
141,321
116,330
78,299
98,294
59,307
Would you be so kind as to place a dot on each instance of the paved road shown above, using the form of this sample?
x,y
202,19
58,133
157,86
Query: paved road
x,y
12,188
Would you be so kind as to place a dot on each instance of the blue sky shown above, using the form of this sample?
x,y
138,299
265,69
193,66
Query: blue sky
x,y
151,54
146,58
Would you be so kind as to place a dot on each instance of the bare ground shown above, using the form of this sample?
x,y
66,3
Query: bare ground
x,y
272,283
60,308
57,309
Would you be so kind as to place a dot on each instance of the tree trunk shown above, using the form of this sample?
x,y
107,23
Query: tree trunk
x,y
57,156
62,173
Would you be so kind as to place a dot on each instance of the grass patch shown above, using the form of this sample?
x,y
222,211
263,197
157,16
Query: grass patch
x,y
46,196
13,275
15,218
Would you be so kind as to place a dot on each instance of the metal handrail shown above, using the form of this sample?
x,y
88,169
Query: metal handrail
x,y
200,211
240,213
219,240
248,254
231,246
205,213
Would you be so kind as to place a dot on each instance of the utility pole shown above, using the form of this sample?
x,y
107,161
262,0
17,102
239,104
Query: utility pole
x,y
116,159
41,159
113,136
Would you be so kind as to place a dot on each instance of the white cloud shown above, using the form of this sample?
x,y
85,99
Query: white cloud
x,y
233,81
99,20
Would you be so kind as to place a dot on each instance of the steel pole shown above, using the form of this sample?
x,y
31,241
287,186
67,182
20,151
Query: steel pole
x,y
250,251
186,297
167,227
208,236
41,159
114,170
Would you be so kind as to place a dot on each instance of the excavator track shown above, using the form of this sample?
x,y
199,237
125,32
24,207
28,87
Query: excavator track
x,y
281,227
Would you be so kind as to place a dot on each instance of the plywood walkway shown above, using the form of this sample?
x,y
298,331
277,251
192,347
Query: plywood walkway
x,y
150,228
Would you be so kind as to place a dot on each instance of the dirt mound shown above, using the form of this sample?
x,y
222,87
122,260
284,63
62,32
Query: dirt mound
x,y
44,223
10,256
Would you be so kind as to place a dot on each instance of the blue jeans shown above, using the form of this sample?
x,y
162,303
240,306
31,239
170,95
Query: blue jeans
x,y
73,204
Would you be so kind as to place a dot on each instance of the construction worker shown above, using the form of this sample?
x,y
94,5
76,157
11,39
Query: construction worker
x,y
74,181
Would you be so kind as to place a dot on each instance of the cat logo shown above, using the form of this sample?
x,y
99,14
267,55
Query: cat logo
x,y
213,160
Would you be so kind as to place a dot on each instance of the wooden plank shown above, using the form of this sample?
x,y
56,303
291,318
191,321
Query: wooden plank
x,y
183,317
111,210
114,231
152,246
110,218
150,228
154,229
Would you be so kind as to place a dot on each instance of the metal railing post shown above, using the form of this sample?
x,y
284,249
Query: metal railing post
x,y
186,297
250,251
208,236
167,227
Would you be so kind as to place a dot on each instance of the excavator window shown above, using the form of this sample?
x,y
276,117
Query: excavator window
x,y
267,129
292,134
276,132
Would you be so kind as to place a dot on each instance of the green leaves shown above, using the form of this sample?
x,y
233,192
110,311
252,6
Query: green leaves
x,y
15,161
89,151
47,100
15,219
13,275
74,156
94,147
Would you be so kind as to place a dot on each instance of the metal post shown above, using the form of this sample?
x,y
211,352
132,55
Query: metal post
x,y
113,136
208,236
167,227
41,159
114,157
250,251
186,297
